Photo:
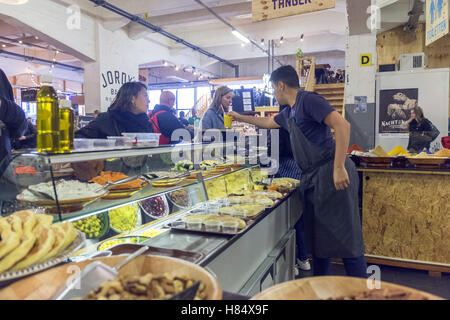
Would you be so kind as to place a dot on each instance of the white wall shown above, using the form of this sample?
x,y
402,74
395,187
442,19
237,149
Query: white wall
x,y
433,85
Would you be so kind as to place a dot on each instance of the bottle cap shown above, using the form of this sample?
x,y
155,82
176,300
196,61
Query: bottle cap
x,y
65,104
46,78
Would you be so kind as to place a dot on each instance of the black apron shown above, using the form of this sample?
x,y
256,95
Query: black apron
x,y
334,227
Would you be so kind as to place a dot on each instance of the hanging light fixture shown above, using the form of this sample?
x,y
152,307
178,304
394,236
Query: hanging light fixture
x,y
14,2
281,40
301,38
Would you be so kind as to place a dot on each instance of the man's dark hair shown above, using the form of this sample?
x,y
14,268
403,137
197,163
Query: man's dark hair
x,y
181,114
287,75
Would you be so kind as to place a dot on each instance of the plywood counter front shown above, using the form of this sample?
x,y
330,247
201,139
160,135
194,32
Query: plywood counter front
x,y
406,216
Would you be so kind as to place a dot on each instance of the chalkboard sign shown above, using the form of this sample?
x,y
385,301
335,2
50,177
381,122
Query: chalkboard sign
x,y
28,95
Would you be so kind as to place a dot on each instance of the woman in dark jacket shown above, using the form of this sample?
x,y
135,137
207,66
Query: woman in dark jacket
x,y
12,119
128,113
421,132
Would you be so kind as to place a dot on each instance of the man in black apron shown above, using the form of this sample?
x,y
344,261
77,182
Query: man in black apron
x,y
329,181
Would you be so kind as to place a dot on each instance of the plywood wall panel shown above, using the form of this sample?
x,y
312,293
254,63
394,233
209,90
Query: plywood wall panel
x,y
407,216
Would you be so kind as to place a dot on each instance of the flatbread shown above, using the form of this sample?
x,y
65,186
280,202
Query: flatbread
x,y
60,237
9,239
27,241
28,218
70,232
43,220
44,243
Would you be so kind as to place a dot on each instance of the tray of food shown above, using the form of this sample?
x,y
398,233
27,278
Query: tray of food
x,y
211,223
93,227
73,195
377,161
170,275
165,183
244,211
110,176
340,288
155,207
125,218
180,198
129,248
132,240
30,243
424,160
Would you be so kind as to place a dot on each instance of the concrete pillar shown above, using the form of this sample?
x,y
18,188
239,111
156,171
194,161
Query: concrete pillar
x,y
360,77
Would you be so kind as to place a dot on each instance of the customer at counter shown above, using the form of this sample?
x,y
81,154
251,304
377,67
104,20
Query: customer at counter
x,y
329,178
163,118
12,119
421,132
28,140
127,113
213,117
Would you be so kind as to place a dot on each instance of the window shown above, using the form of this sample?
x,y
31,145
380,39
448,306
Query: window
x,y
153,95
186,98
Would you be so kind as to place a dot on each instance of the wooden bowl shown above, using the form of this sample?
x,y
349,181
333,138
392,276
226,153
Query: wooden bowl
x,y
322,288
44,285
427,162
377,161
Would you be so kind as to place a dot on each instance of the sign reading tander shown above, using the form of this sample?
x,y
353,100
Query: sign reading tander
x,y
271,9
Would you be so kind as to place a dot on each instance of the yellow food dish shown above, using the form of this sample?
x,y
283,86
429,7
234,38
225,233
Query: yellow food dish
x,y
443,153
379,152
398,151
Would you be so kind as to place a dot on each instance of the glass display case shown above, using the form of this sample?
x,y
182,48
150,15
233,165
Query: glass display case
x,y
163,182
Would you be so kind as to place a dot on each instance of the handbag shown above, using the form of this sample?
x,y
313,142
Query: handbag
x,y
434,133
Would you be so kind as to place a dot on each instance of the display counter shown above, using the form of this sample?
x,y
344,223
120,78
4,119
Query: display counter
x,y
406,217
256,256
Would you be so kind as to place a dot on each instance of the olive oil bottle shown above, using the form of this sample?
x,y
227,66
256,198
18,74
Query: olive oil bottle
x,y
66,126
47,119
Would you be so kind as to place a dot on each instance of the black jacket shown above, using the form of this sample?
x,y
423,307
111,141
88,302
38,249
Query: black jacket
x,y
12,125
167,121
113,123
418,135
30,138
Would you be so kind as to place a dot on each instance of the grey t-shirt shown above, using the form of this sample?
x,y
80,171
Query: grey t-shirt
x,y
309,118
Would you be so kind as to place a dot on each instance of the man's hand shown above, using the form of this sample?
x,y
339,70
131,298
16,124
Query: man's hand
x,y
22,138
235,115
341,180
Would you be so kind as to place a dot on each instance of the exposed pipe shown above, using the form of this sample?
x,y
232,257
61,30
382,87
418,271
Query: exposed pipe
x,y
233,28
17,56
159,30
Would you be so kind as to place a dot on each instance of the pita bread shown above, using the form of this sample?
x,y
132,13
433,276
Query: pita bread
x,y
60,237
70,234
28,218
43,220
9,239
44,243
27,241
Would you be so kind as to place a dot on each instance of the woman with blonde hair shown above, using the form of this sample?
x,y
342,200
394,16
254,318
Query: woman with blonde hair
x,y
421,131
213,117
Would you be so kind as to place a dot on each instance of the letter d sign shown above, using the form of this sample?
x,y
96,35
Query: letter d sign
x,y
366,60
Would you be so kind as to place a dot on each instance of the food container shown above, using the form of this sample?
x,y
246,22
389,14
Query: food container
x,y
122,141
142,139
193,223
179,224
125,218
241,213
83,144
93,144
212,225
155,207
213,207
114,242
229,227
224,202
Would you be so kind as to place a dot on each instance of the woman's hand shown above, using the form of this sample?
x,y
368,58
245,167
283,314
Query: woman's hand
x,y
341,179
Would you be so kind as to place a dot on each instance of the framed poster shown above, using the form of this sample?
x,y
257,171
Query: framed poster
x,y
395,109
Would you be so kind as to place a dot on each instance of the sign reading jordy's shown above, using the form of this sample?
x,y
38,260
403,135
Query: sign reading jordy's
x,y
271,9
112,81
